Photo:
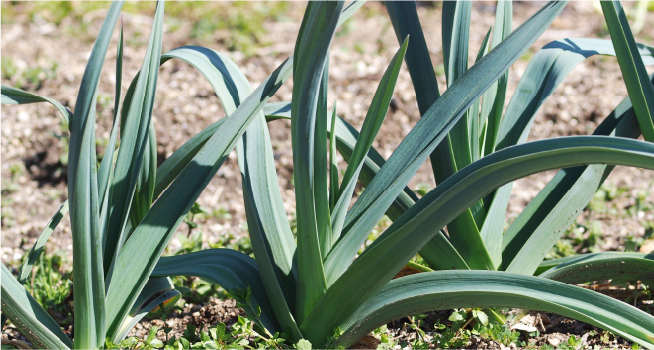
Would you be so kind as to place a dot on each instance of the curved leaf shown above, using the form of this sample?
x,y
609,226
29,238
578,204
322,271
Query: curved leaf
x,y
427,134
444,290
13,96
225,267
545,72
400,242
271,234
29,316
604,266
156,292
26,268
141,252
545,218
548,264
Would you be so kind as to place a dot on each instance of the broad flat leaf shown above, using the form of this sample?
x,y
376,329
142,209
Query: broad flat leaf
x,y
400,242
225,267
135,126
444,290
311,49
29,316
604,266
88,272
633,70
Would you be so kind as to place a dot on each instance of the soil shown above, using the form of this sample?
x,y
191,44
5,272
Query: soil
x,y
34,173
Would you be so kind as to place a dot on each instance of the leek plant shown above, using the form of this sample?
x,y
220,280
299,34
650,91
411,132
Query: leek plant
x,y
321,290
317,287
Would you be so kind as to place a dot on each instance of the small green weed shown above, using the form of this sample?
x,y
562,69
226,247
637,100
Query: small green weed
x,y
9,68
50,285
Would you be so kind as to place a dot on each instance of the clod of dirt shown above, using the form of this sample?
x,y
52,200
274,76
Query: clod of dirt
x,y
367,342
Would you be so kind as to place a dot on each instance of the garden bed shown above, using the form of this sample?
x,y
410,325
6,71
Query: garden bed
x,y
34,149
